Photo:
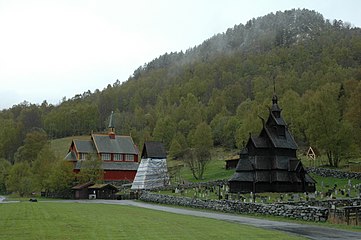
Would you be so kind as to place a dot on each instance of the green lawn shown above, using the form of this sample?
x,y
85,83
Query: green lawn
x,y
97,221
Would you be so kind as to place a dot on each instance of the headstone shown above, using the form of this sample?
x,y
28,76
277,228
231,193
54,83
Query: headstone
x,y
312,196
296,197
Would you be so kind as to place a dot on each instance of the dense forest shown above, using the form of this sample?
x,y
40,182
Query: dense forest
x,y
225,83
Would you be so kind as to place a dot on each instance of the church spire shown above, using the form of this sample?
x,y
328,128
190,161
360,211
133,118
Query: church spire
x,y
276,110
111,128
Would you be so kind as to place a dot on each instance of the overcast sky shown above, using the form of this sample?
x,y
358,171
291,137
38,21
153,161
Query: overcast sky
x,y
55,49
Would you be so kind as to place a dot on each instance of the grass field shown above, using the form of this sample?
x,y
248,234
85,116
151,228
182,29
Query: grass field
x,y
97,221
61,146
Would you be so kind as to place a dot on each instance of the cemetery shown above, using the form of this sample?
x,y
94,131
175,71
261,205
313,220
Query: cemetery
x,y
269,179
327,203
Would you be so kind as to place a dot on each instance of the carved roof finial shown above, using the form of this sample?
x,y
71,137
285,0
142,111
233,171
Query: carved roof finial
x,y
274,98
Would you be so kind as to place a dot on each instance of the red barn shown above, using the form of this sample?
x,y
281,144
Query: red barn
x,y
118,154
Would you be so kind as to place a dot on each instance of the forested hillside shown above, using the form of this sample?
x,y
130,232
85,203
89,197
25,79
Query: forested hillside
x,y
224,83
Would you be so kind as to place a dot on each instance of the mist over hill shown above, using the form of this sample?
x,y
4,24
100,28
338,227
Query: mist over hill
x,y
226,82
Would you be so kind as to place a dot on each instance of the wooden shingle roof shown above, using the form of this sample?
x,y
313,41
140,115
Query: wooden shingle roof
x,y
286,141
154,150
259,142
244,165
243,177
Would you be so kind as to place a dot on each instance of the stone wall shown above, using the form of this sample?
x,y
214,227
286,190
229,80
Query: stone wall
x,y
306,210
189,185
341,202
325,172
308,213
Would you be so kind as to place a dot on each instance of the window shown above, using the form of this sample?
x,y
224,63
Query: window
x,y
105,156
117,157
129,157
82,156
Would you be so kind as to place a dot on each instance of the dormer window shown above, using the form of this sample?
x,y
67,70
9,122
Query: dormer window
x,y
82,156
117,157
106,156
281,131
129,157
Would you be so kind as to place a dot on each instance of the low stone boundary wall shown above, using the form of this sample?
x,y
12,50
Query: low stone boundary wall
x,y
325,172
341,202
317,214
189,185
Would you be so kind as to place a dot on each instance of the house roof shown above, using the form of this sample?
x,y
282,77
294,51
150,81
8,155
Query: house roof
x,y
120,144
154,150
71,156
102,186
84,146
82,185
127,166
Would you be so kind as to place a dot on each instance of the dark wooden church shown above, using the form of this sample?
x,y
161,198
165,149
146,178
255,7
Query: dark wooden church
x,y
268,163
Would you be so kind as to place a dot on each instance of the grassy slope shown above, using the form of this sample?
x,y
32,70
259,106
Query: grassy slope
x,y
61,146
97,221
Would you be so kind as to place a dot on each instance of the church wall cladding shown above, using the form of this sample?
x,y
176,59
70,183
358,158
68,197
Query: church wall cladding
x,y
285,152
308,213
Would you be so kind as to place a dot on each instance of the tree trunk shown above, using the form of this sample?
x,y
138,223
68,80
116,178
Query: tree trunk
x,y
336,160
329,157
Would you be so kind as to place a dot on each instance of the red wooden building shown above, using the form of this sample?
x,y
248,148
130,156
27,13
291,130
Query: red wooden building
x,y
118,154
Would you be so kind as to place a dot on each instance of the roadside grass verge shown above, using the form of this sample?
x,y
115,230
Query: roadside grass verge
x,y
100,221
